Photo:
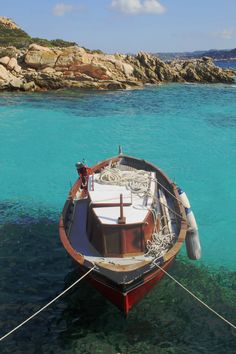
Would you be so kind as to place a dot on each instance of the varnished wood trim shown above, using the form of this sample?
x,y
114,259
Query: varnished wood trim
x,y
154,274
123,268
175,249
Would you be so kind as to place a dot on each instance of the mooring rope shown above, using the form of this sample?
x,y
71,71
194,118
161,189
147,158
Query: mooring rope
x,y
195,297
48,304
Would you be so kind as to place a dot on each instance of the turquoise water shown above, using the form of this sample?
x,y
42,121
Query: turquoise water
x,y
187,130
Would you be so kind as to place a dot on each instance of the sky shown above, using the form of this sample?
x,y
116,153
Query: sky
x,y
129,26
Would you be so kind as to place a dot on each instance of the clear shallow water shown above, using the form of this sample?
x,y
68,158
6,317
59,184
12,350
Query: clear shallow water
x,y
190,132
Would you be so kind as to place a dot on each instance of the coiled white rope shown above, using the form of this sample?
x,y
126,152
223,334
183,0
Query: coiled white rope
x,y
195,297
137,181
161,241
159,244
48,304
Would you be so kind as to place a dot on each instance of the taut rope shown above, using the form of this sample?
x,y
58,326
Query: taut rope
x,y
195,297
48,304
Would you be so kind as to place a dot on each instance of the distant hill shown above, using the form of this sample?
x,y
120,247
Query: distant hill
x,y
213,53
221,54
12,35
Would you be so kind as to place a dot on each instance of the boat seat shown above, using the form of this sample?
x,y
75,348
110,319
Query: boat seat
x,y
78,233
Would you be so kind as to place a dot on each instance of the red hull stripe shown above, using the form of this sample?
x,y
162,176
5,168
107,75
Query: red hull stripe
x,y
126,301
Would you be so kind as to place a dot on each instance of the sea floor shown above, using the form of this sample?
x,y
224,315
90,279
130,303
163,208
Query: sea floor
x,y
168,320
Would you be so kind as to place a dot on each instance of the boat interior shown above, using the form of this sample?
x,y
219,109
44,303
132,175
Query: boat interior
x,y
123,208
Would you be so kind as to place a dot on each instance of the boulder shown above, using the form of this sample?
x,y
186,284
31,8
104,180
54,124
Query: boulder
x,y
17,69
28,86
123,69
2,84
39,58
151,69
72,57
49,82
190,75
49,70
5,75
95,71
128,69
37,47
15,82
116,85
8,79
4,60
207,59
12,63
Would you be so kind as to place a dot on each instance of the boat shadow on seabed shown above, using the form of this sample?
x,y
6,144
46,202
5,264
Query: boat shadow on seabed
x,y
166,319
33,268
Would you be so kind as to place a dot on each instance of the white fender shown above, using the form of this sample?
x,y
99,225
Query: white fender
x,y
193,246
183,198
191,219
192,240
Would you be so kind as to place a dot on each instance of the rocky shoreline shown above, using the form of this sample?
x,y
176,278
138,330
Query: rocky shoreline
x,y
39,68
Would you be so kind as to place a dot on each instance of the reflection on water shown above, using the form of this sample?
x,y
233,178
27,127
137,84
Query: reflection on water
x,y
35,268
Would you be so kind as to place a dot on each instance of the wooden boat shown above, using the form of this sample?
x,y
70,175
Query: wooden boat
x,y
125,216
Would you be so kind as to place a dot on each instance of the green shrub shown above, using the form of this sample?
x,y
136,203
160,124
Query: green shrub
x,y
20,39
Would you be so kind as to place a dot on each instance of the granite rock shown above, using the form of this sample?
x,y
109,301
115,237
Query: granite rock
x,y
43,68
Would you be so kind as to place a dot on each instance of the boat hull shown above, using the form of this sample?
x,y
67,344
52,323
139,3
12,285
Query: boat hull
x,y
125,300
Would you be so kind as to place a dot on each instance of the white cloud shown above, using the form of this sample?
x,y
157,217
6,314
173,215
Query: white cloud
x,y
226,34
153,6
134,7
62,9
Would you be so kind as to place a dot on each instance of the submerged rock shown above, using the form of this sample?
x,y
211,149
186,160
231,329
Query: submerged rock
x,y
43,68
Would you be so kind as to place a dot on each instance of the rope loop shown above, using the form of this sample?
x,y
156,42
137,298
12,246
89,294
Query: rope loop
x,y
137,181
